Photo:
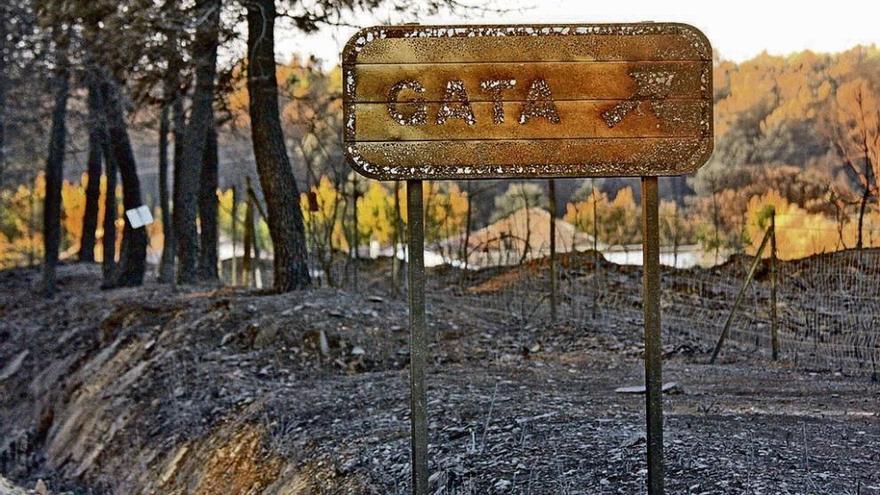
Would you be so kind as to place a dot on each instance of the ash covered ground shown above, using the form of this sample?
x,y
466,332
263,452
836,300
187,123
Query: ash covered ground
x,y
227,391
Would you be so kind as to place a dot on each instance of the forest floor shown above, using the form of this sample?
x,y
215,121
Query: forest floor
x,y
227,391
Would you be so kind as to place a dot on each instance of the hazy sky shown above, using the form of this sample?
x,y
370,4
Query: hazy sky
x,y
738,29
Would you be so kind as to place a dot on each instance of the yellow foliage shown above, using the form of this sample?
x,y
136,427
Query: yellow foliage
x,y
445,210
800,233
375,214
617,220
324,227
580,213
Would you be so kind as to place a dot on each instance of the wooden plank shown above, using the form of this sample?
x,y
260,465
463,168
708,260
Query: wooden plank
x,y
567,80
533,158
577,119
457,44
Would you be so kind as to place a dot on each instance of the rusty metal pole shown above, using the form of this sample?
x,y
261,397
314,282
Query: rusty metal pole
x,y
653,351
415,228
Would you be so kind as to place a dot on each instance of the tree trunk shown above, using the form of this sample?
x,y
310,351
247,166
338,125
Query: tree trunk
x,y
863,206
208,209
3,71
108,243
166,265
234,261
55,173
186,185
273,164
133,253
178,126
465,252
93,186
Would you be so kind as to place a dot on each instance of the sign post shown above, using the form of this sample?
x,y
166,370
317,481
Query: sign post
x,y
529,101
418,341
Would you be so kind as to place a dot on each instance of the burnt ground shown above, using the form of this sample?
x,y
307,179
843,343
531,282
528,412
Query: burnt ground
x,y
220,390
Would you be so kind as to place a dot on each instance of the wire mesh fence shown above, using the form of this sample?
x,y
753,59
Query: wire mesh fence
x,y
828,305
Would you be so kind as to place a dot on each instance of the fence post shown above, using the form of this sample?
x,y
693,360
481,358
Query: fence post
x,y
774,325
554,296
595,249
234,264
739,297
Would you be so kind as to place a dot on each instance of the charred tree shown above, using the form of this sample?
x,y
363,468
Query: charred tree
x,y
133,253
178,126
55,169
186,185
4,15
166,264
108,242
208,209
93,186
273,165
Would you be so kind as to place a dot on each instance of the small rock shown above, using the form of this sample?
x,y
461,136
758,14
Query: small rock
x,y
13,366
634,440
266,336
358,351
324,345
375,299
502,485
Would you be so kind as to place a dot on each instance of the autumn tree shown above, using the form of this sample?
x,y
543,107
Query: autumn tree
x,y
856,137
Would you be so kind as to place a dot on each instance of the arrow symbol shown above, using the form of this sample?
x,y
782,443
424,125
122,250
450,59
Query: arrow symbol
x,y
653,84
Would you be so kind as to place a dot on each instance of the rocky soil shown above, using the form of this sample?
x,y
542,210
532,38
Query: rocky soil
x,y
230,391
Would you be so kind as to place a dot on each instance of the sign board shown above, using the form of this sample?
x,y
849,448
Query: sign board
x,y
466,102
139,217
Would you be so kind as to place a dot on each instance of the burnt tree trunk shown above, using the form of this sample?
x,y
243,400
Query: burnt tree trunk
x,y
55,171
178,126
208,210
108,242
133,253
4,15
273,164
93,186
186,185
166,264
108,223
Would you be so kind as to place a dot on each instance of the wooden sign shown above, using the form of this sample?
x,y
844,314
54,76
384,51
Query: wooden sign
x,y
459,102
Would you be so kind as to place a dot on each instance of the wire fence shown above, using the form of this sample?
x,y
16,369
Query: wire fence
x,y
827,305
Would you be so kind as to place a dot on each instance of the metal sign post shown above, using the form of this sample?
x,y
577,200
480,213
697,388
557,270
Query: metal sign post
x,y
415,230
528,101
653,345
